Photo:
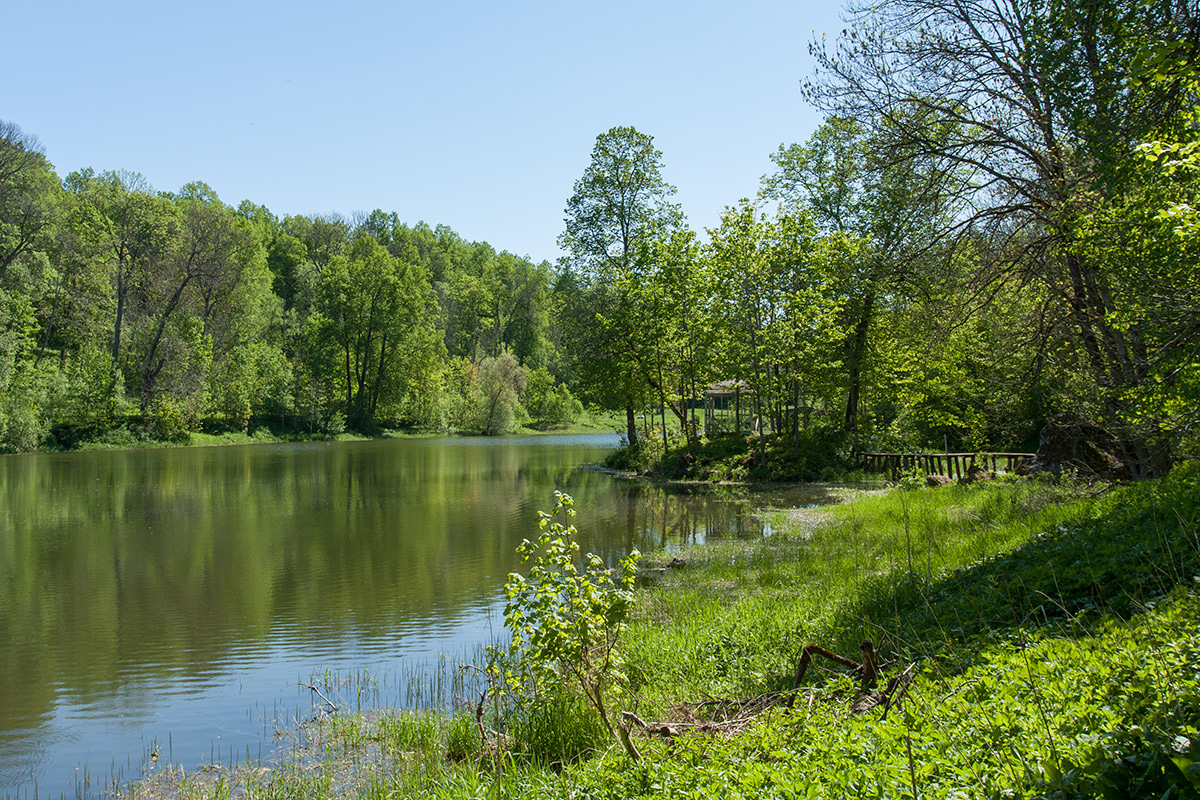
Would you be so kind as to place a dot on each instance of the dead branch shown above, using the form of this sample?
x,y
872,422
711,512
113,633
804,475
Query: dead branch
x,y
333,708
867,671
479,706
722,716
893,697
870,665
627,741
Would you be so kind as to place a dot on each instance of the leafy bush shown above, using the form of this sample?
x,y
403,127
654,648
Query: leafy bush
x,y
637,458
550,406
565,619
168,419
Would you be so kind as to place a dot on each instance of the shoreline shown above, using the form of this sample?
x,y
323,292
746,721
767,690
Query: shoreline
x,y
950,583
954,596
200,439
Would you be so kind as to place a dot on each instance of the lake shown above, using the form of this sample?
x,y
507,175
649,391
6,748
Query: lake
x,y
178,599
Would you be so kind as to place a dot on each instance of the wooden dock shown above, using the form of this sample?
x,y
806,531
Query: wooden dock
x,y
952,465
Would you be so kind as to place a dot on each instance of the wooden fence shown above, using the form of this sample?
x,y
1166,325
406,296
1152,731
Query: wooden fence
x,y
952,465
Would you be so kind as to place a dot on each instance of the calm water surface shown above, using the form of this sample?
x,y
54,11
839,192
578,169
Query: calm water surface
x,y
179,598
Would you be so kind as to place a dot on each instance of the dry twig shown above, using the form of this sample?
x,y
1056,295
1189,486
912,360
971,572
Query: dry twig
x,y
333,708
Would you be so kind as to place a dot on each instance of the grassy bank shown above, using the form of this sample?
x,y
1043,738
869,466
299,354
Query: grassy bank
x,y
133,435
817,455
1038,639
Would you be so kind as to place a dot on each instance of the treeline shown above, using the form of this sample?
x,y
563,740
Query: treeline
x,y
155,314
995,224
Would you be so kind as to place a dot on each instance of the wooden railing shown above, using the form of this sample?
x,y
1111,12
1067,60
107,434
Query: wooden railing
x,y
952,465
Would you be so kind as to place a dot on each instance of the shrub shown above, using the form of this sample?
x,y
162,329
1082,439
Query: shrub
x,y
565,621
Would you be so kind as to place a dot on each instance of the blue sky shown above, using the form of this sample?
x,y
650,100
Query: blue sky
x,y
476,115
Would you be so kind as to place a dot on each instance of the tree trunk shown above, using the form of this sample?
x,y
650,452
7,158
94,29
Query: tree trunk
x,y
116,340
855,355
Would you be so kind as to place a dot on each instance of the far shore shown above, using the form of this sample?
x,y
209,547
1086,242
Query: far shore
x,y
123,439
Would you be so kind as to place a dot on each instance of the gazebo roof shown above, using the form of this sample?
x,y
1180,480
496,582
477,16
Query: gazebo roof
x,y
728,388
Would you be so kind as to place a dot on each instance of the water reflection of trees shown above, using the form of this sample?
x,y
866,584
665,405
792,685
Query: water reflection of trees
x,y
174,562
151,565
653,517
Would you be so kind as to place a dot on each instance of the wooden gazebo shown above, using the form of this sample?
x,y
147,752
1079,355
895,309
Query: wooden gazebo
x,y
723,412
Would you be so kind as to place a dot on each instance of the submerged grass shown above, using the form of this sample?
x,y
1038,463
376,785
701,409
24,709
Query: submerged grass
x,y
1051,632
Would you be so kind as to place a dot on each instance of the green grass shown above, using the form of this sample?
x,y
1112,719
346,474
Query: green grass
x,y
734,620
591,421
1052,632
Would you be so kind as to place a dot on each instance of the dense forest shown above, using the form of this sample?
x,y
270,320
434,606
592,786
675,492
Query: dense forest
x,y
158,313
994,225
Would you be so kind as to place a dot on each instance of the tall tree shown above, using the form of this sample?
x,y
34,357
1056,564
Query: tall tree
x,y
28,192
29,208
619,208
855,186
776,310
675,301
135,226
377,314
1033,102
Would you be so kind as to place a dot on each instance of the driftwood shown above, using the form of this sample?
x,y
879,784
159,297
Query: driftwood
x,y
333,708
712,716
721,716
867,671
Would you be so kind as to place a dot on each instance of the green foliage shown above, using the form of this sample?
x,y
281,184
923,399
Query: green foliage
x,y
891,293
253,381
459,395
556,726
29,194
375,323
24,387
462,738
565,619
640,457
817,454
617,219
1065,630
1047,99
776,313
236,316
548,404
501,384
168,420
96,390
620,204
